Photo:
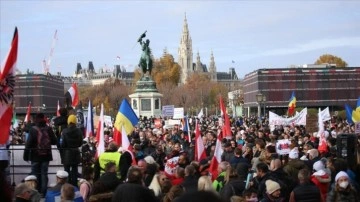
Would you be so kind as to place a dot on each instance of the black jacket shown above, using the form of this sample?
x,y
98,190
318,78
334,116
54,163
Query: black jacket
x,y
31,145
72,138
235,186
128,192
307,192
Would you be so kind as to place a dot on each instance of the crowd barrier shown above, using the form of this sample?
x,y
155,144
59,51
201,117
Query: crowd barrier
x,y
18,169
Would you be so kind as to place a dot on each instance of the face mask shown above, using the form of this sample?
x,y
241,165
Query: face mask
x,y
299,142
344,184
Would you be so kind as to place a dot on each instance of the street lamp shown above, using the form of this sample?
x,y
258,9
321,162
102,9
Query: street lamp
x,y
261,99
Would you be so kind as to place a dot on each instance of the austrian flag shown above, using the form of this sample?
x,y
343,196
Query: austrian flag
x,y
7,84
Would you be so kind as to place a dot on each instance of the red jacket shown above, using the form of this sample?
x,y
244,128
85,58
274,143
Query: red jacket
x,y
322,183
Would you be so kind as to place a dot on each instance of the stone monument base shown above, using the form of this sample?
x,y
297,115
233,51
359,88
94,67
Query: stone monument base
x,y
146,101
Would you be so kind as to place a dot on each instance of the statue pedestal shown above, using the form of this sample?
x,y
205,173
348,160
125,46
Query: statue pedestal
x,y
146,101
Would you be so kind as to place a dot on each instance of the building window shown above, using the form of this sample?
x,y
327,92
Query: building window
x,y
145,105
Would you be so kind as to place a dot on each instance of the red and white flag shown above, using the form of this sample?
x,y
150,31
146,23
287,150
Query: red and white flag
x,y
126,146
72,95
28,112
226,130
7,83
58,109
321,134
199,145
216,159
100,138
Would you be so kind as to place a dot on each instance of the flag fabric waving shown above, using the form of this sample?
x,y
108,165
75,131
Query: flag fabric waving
x,y
226,130
126,146
58,109
72,96
356,112
325,114
186,127
126,118
216,159
89,121
201,114
100,139
321,134
353,116
292,104
7,83
28,112
199,144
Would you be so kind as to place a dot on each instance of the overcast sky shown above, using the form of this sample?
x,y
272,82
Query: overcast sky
x,y
254,34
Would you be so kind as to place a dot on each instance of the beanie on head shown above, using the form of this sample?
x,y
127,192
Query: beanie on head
x,y
271,186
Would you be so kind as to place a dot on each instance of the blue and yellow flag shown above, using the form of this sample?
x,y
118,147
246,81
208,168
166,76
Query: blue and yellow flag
x,y
353,116
126,118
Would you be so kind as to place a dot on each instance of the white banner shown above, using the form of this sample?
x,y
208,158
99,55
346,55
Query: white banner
x,y
283,146
178,113
298,119
168,110
108,121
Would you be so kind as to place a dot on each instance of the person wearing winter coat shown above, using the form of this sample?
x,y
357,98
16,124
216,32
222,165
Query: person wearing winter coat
x,y
343,190
72,138
272,192
234,186
321,179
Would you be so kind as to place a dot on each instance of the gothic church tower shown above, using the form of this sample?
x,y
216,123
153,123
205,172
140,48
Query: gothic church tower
x,y
212,68
185,53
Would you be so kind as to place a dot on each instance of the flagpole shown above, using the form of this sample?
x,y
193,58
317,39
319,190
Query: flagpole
x,y
12,151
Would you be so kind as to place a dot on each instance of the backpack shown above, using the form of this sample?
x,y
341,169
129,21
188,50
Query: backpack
x,y
43,141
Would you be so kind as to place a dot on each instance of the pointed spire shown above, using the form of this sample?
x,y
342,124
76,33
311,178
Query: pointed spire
x,y
212,66
185,27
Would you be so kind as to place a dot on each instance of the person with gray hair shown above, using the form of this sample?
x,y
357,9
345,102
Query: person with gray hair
x,y
306,190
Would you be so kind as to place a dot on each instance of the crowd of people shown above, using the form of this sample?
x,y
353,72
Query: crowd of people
x,y
161,166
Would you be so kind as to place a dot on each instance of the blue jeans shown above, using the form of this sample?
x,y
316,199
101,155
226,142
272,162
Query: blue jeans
x,y
40,170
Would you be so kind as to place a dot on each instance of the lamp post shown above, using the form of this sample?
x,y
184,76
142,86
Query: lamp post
x,y
261,99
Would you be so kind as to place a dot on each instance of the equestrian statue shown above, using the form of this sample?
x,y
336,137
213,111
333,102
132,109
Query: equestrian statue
x,y
145,62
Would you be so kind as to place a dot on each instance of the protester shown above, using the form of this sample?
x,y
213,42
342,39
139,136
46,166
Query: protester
x,y
343,190
133,189
72,138
31,181
306,190
22,193
38,151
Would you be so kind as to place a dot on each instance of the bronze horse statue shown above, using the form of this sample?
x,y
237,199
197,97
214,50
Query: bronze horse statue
x,y
145,62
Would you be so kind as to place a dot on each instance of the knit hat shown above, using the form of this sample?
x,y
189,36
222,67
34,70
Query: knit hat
x,y
341,174
294,153
318,165
271,186
71,119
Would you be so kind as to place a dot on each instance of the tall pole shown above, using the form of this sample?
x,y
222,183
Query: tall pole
x,y
259,110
